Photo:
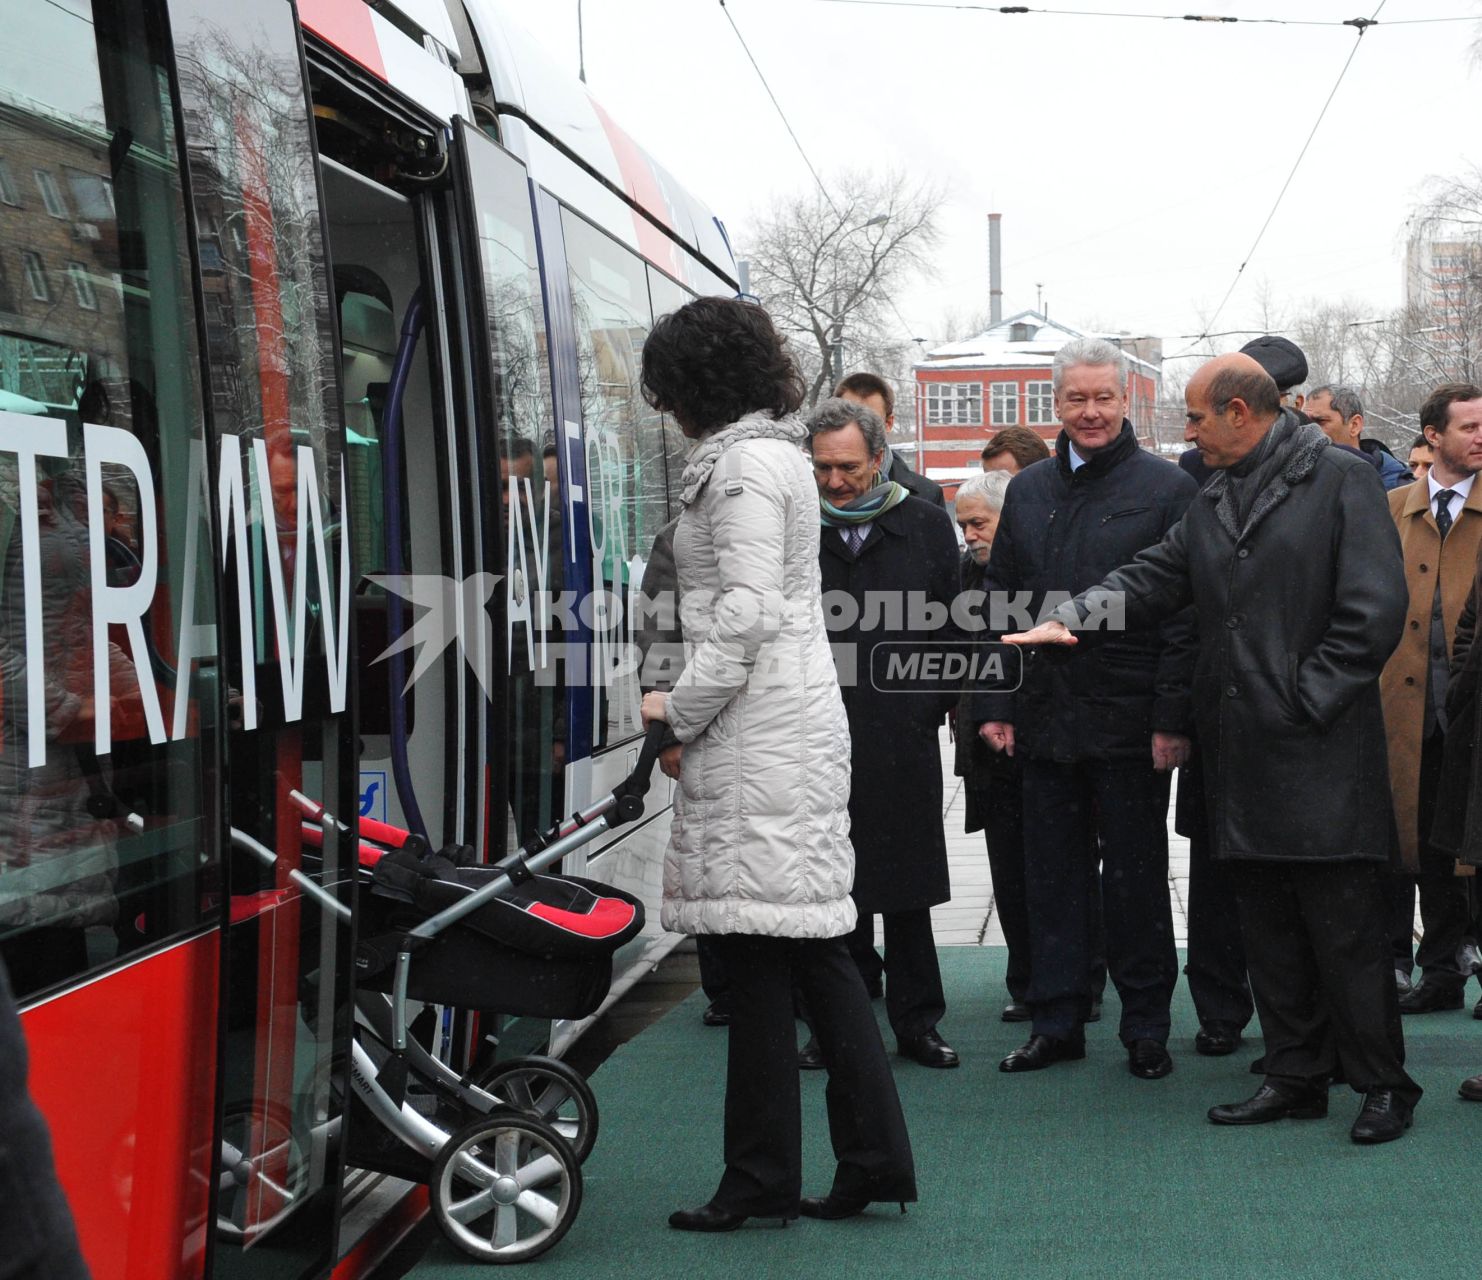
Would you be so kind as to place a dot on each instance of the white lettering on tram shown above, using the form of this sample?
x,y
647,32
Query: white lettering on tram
x,y
124,606
28,438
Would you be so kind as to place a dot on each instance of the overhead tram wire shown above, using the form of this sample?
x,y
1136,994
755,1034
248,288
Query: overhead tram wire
x,y
782,115
792,133
1215,19
1285,186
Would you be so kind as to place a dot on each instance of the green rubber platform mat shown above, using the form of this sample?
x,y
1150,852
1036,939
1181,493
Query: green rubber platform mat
x,y
1078,1171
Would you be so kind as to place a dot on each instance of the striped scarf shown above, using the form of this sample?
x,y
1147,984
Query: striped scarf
x,y
870,505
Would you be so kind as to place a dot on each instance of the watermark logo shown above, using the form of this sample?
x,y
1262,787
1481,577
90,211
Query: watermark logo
x,y
454,612
907,667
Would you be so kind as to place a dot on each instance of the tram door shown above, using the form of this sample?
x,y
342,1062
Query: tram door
x,y
280,486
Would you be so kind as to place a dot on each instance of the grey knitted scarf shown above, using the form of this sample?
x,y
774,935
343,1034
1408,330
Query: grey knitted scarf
x,y
707,452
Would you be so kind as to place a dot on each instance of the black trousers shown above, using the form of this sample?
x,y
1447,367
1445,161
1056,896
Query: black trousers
x,y
1321,974
914,1000
1067,808
714,981
1001,801
763,1121
1445,906
1216,955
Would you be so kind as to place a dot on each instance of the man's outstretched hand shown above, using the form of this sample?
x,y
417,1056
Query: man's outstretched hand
x,y
1046,633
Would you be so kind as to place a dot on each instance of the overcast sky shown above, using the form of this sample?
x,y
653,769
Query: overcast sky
x,y
1133,160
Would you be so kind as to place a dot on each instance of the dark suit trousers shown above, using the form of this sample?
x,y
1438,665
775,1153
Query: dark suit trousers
x,y
1216,963
1321,973
714,980
763,1120
1066,807
1445,908
914,1000
1002,801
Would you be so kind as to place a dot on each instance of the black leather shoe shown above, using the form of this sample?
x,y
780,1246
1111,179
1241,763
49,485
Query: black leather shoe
x,y
708,1217
831,1207
1268,1103
716,1015
929,1049
1149,1060
1431,997
1041,1052
810,1056
1402,980
1383,1118
1016,1011
1258,1067
1471,1089
1477,1009
1095,1014
1469,958
1216,1040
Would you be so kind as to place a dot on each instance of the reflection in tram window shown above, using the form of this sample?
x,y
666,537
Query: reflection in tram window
x,y
104,563
666,296
278,436
532,504
626,468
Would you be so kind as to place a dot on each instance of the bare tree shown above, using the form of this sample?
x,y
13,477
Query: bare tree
x,y
828,267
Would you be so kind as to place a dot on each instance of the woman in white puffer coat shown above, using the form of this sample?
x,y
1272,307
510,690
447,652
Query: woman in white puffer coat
x,y
760,856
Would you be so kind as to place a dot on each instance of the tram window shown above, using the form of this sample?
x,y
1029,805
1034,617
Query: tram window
x,y
530,486
103,520
626,471
666,296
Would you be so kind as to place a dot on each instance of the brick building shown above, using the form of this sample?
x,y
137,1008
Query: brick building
x,y
967,391
59,262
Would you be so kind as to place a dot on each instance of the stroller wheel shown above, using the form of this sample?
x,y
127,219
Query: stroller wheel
x,y
262,1172
505,1188
549,1090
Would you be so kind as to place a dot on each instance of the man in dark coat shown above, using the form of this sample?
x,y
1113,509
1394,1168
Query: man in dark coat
x,y
993,782
889,563
1097,732
1297,579
37,1239
1215,963
876,394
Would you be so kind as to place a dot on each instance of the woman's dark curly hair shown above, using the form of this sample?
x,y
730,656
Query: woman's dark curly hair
x,y
716,360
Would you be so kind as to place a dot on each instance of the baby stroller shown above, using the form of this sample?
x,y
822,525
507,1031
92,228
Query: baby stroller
x,y
500,1151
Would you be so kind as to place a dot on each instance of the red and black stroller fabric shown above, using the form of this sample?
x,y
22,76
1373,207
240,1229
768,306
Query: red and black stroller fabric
x,y
543,949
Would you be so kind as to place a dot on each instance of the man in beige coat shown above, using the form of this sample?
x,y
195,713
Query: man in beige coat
x,y
1440,524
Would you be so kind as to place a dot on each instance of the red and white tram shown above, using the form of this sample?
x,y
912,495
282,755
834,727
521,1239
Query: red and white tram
x,y
323,469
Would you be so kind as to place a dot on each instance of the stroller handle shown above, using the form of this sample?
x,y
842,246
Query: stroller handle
x,y
636,783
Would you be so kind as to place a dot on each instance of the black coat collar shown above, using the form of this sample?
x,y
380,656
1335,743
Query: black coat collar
x,y
1099,463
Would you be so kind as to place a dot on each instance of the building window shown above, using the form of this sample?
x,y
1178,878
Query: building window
x,y
36,276
51,196
8,193
1039,403
92,193
1005,404
82,287
954,404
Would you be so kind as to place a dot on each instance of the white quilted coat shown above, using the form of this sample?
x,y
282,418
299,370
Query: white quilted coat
x,y
760,842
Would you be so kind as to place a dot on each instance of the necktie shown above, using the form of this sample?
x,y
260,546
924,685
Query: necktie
x,y
1443,511
855,535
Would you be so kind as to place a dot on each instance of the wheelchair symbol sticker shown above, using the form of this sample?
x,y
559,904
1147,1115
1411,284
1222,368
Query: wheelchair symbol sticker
x,y
373,794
